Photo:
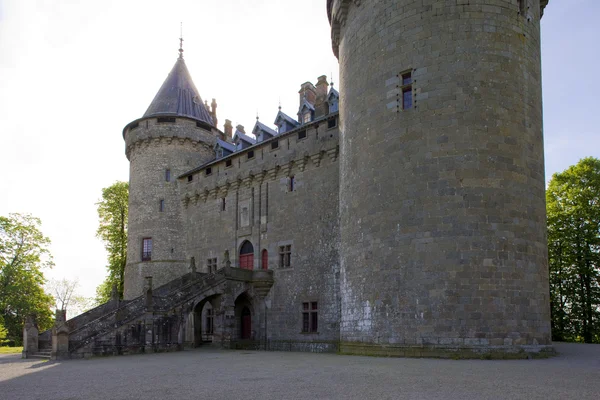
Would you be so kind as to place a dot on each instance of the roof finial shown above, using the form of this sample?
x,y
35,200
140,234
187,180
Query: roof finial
x,y
181,40
280,103
257,114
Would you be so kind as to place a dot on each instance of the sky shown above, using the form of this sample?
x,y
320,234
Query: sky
x,y
73,73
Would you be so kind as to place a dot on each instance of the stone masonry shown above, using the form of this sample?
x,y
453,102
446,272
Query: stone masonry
x,y
409,223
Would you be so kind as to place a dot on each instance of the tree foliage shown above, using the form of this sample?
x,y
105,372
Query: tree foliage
x,y
573,207
66,296
112,213
23,256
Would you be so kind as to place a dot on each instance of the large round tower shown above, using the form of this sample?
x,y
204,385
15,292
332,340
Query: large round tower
x,y
442,210
175,134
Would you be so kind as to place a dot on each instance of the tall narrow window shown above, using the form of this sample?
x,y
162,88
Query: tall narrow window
x,y
146,249
285,255
223,204
161,205
265,259
522,6
292,183
407,97
310,320
168,175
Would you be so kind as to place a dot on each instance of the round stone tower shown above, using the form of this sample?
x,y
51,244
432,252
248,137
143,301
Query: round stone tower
x,y
442,209
175,135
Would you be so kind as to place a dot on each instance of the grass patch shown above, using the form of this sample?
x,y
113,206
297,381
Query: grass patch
x,y
10,350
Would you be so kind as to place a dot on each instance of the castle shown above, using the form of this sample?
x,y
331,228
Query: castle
x,y
409,222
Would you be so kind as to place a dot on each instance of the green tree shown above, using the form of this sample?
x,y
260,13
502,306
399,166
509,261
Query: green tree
x,y
112,213
573,207
23,255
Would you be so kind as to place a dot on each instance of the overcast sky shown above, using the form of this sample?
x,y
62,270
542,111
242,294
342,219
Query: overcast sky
x,y
73,73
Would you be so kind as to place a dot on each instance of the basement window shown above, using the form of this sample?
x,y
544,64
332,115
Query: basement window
x,y
275,145
250,154
301,135
162,120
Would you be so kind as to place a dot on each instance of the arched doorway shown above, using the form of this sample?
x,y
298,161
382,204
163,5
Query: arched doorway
x,y
247,255
246,324
265,259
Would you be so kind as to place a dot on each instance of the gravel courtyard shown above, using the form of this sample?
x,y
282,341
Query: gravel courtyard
x,y
218,374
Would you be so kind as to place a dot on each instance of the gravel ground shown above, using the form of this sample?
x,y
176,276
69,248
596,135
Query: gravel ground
x,y
219,374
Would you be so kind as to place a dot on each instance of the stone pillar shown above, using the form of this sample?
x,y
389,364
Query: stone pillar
x,y
60,336
148,293
30,337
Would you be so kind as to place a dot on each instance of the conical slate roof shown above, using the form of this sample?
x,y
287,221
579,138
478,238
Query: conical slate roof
x,y
178,96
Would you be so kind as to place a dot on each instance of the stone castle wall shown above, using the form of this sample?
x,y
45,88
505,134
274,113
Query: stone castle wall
x,y
442,210
305,218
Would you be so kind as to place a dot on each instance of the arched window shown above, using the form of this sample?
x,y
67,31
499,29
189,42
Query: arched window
x,y
247,255
265,259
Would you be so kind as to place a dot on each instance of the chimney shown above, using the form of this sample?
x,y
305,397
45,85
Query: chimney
x,y
228,128
308,91
240,128
213,112
321,106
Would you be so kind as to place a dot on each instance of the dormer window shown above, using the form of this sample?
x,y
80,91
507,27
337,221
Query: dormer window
x,y
306,117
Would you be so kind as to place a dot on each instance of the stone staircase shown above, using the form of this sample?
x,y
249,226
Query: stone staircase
x,y
151,321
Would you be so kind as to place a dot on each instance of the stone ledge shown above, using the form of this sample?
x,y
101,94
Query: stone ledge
x,y
451,351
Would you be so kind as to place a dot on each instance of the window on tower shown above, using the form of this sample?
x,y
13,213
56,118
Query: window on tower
x,y
406,88
147,249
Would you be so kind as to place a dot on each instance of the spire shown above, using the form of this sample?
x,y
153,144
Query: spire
x,y
181,41
178,96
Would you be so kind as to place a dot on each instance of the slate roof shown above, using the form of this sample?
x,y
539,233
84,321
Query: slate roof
x,y
178,96
244,137
226,145
333,92
286,117
264,128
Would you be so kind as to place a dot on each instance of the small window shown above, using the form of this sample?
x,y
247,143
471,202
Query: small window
x,y
228,163
331,123
292,183
275,145
310,320
407,96
190,178
162,120
223,204
208,171
211,265
285,255
250,154
167,175
147,249
306,117
161,205
301,135
265,259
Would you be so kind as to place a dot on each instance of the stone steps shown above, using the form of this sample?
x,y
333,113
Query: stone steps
x,y
43,354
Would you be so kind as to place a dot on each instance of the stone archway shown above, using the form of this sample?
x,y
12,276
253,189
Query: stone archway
x,y
204,321
244,315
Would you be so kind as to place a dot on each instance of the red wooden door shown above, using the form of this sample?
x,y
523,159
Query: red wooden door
x,y
265,259
247,261
246,324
